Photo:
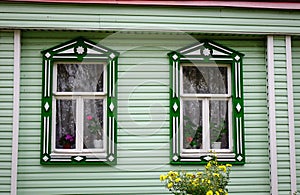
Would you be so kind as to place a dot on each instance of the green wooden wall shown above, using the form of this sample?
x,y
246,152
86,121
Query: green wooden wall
x,y
93,17
6,108
282,128
296,77
143,134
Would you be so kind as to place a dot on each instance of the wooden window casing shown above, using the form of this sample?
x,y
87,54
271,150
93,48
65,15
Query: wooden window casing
x,y
207,54
79,52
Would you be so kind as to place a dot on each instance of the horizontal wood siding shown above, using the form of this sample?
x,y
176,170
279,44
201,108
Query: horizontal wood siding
x,y
6,108
296,84
67,16
282,128
143,125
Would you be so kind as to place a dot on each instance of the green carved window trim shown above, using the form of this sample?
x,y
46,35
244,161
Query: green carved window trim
x,y
207,52
78,51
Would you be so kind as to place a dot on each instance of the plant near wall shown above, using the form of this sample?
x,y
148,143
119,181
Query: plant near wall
x,y
94,127
218,130
192,134
212,181
67,140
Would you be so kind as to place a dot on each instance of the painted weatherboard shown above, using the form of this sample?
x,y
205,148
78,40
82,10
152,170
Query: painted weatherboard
x,y
281,110
296,85
143,116
6,108
93,17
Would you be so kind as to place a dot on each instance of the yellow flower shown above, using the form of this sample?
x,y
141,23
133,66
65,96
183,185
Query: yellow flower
x,y
210,192
223,168
172,174
177,180
195,182
208,165
216,174
170,185
221,190
199,174
189,175
162,177
228,165
217,193
208,181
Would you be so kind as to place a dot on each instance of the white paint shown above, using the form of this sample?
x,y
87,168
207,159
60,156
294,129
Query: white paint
x,y
112,141
272,116
174,134
16,102
46,80
110,79
289,74
237,135
240,134
176,79
220,48
173,79
60,48
236,81
113,79
239,78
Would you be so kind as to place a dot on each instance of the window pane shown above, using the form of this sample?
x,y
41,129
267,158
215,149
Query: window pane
x,y
218,121
205,80
79,78
192,124
65,124
93,123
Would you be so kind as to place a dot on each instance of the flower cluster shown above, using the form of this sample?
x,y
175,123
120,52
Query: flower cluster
x,y
212,181
67,139
94,126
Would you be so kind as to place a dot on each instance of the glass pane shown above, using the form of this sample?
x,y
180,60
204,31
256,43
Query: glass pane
x,y
79,78
218,122
192,124
93,123
65,124
205,80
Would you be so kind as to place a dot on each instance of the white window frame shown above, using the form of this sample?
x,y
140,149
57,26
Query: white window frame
x,y
79,98
77,51
205,98
207,52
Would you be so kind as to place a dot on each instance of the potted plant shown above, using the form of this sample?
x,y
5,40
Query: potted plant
x,y
217,132
95,129
67,140
192,134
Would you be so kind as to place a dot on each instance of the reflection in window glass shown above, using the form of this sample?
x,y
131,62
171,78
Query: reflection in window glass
x,y
65,124
93,123
205,80
218,122
192,124
79,78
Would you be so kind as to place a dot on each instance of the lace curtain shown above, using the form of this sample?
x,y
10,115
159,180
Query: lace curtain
x,y
204,80
77,78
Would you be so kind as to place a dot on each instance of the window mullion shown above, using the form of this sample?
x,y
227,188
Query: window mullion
x,y
205,122
230,125
79,128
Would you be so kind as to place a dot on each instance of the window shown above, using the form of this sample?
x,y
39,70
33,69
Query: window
x,y
79,104
206,104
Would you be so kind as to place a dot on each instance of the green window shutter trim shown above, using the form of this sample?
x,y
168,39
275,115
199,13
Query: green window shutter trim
x,y
77,50
207,52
